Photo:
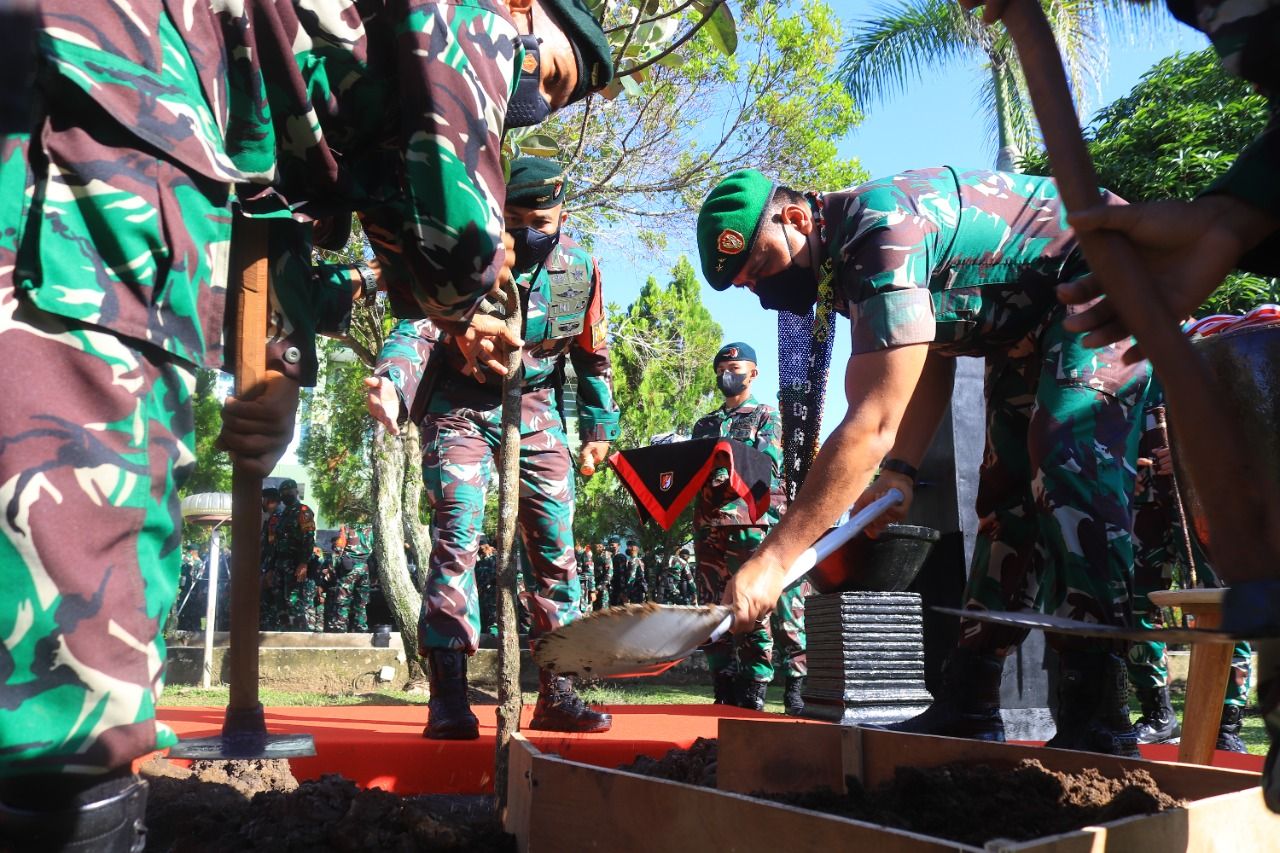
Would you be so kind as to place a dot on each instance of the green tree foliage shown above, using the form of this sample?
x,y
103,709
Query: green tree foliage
x,y
640,165
336,436
662,346
213,467
1180,127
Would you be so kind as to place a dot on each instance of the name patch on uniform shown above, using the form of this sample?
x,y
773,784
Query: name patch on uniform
x,y
730,242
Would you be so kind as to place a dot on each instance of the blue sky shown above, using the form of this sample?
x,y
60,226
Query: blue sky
x,y
936,122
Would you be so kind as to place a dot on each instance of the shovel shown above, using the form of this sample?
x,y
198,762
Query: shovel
x,y
244,728
640,640
1075,627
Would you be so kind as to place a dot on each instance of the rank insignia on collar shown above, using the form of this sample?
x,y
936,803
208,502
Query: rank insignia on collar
x,y
730,242
666,479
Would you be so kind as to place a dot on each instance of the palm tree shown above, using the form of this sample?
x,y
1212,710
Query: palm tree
x,y
904,38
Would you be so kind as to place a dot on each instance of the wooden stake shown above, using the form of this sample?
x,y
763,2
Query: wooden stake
x,y
1162,426
509,704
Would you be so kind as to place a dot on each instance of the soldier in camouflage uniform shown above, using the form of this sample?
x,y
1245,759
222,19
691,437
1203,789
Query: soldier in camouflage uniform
x,y
150,121
419,371
1159,548
635,581
292,538
725,535
586,578
786,623
350,599
603,565
675,580
929,265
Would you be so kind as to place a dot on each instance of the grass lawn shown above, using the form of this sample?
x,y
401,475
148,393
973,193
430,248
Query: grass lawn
x,y
608,693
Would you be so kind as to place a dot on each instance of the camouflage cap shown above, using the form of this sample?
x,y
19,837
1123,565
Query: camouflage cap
x,y
736,351
285,485
728,223
590,46
536,183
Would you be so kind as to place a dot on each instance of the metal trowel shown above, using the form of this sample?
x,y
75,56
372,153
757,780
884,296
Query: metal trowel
x,y
638,640
1075,627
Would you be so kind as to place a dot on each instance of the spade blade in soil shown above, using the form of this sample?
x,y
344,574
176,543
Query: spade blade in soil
x,y
1062,625
243,746
632,641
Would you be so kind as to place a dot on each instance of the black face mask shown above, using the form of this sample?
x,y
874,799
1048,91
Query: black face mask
x,y
532,246
527,107
731,384
794,289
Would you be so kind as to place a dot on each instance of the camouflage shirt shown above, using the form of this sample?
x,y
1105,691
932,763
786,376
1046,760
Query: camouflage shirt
x,y
1246,36
966,261
757,425
291,535
308,109
563,316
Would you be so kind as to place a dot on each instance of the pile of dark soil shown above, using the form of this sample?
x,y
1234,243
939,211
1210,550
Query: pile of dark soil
x,y
694,766
976,803
230,806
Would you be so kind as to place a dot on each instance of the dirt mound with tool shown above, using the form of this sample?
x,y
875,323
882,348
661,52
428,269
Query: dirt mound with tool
x,y
968,803
230,806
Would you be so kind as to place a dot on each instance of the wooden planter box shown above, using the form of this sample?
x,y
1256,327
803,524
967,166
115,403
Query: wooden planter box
x,y
558,805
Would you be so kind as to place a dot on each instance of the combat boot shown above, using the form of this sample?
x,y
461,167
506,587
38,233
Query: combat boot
x,y
449,714
1093,705
1229,730
752,695
793,695
1158,723
561,709
968,701
107,817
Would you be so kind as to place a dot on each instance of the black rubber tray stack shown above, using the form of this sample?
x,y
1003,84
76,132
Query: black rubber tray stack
x,y
866,657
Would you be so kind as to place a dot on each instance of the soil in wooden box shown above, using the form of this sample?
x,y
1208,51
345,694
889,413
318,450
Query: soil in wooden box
x,y
219,806
977,803
693,766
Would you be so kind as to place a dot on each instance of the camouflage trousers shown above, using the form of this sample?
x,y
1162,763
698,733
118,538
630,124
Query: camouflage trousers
x,y
460,447
604,585
96,436
300,606
787,625
720,552
273,608
348,605
1055,485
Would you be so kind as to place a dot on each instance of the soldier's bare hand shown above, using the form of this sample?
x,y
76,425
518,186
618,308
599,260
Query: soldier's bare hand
x,y
486,344
993,9
257,428
1187,248
383,402
753,592
300,573
1163,459
883,483
592,456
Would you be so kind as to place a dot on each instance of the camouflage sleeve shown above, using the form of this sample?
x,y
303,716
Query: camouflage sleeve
x,y
769,440
306,542
883,274
404,357
305,301
706,427
1255,178
589,352
457,65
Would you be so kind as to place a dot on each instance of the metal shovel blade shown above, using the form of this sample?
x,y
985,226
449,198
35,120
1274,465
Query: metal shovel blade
x,y
631,641
1062,625
241,747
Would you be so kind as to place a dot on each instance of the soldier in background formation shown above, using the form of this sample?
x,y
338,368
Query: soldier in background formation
x,y
675,583
602,561
635,579
586,578
347,607
725,536
291,538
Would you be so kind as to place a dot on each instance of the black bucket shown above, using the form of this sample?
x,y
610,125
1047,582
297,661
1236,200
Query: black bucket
x,y
1246,366
888,563
381,636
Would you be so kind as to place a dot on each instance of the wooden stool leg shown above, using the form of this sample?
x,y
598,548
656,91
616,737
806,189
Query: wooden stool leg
x,y
1206,688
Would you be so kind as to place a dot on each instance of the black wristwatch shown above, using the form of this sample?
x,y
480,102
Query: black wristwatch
x,y
899,467
368,281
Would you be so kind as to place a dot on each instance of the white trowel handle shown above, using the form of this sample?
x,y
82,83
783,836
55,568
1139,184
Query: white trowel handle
x,y
826,546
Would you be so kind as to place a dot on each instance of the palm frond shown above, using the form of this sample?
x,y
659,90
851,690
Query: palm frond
x,y
888,51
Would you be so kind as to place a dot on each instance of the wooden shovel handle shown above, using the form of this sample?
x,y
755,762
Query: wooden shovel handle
x,y
249,266
1214,450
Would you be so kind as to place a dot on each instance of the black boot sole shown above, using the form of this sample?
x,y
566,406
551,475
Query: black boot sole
x,y
540,725
460,732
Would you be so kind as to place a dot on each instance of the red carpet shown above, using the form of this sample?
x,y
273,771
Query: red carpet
x,y
382,745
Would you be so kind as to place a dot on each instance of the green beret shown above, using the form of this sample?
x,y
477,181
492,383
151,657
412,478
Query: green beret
x,y
590,47
536,183
728,223
737,351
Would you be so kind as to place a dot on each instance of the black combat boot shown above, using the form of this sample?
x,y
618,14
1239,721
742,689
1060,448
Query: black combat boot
x,y
793,695
1229,729
1158,723
726,685
107,817
751,695
561,709
968,702
1093,705
449,714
